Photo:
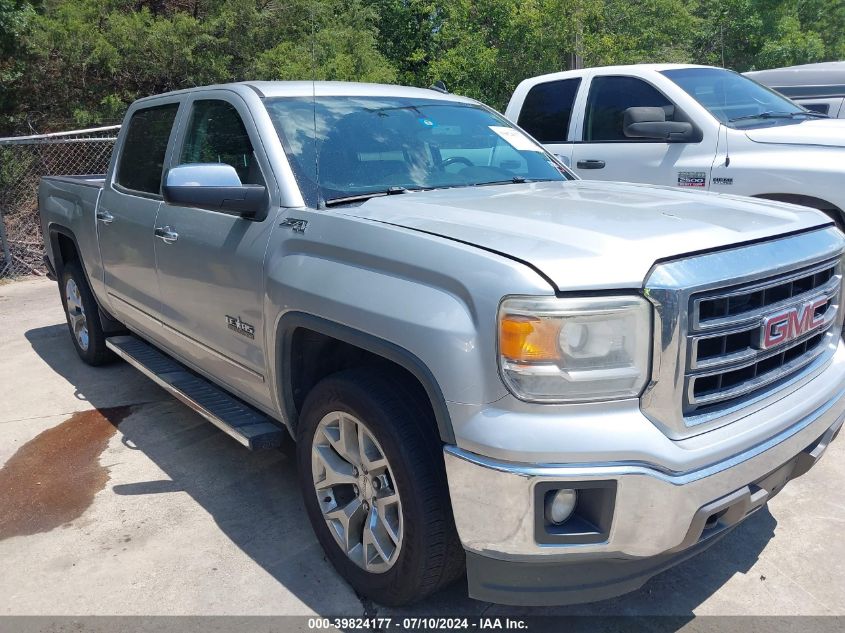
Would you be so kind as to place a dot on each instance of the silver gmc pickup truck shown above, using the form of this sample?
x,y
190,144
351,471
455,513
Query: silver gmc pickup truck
x,y
563,387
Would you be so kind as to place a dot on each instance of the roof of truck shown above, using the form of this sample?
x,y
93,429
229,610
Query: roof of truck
x,y
822,74
322,89
626,68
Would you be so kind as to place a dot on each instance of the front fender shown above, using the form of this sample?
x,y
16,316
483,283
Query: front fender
x,y
424,301
289,322
784,173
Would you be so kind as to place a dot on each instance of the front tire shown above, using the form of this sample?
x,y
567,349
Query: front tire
x,y
83,316
372,477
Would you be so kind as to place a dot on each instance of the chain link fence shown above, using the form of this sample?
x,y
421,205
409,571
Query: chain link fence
x,y
23,161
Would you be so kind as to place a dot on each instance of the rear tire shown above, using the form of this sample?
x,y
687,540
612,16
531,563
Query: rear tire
x,y
83,316
399,474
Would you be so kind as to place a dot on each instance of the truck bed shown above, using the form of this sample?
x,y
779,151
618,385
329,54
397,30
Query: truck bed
x,y
71,202
86,180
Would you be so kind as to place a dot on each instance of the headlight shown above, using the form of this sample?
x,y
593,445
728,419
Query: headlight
x,y
575,349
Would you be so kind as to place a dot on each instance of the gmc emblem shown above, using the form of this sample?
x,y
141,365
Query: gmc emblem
x,y
789,324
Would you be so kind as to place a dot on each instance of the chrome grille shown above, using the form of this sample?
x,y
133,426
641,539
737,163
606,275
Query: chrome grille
x,y
727,359
712,364
747,303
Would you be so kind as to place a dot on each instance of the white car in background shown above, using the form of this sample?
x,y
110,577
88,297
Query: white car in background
x,y
817,87
686,126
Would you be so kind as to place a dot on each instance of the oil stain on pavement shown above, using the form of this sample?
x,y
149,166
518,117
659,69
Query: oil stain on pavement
x,y
52,479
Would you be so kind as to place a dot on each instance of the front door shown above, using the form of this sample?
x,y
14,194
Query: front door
x,y
605,153
210,264
126,216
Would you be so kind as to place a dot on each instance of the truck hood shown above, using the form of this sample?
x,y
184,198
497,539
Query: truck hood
x,y
827,132
589,234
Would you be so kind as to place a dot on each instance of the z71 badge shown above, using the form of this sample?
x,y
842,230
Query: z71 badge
x,y
241,327
692,179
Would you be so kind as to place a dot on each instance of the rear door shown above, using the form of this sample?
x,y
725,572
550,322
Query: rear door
x,y
605,153
211,276
126,215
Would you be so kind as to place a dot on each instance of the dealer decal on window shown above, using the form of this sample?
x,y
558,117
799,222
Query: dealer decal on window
x,y
516,139
692,179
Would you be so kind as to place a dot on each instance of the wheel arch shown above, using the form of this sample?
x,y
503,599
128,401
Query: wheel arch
x,y
65,247
289,363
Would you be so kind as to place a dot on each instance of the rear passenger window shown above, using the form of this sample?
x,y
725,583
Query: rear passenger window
x,y
609,98
216,134
548,109
142,159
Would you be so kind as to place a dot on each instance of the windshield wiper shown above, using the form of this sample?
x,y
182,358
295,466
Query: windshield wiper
x,y
777,115
390,191
396,190
516,180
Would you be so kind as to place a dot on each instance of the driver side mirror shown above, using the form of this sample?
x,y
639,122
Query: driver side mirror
x,y
647,122
216,187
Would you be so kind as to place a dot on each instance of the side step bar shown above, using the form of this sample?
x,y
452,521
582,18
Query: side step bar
x,y
238,420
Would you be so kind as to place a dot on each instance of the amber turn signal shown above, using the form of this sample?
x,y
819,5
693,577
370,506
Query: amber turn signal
x,y
528,339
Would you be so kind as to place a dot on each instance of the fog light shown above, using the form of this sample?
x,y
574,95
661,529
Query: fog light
x,y
560,505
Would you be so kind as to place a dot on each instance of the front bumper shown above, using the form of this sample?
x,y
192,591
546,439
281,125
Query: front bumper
x,y
657,518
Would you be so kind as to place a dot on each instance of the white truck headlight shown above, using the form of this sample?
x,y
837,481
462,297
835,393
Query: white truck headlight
x,y
575,349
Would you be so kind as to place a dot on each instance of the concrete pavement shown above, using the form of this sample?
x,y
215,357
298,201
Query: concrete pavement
x,y
119,500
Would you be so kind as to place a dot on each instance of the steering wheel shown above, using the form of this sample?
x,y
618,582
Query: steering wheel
x,y
456,159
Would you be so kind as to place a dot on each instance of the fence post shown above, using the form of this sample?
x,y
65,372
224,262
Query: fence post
x,y
4,245
5,253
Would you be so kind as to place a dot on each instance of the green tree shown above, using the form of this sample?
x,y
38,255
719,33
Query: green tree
x,y
335,43
755,34
16,18
790,44
624,32
81,62
407,35
88,59
483,48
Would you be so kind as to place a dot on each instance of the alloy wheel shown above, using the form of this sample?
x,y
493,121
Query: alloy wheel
x,y
356,492
76,313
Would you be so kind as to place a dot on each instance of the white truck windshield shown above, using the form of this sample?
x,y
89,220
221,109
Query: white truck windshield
x,y
736,100
380,145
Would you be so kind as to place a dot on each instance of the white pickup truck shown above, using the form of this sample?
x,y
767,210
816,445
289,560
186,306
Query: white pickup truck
x,y
693,127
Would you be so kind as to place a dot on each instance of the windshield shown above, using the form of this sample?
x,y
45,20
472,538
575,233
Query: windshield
x,y
736,100
381,145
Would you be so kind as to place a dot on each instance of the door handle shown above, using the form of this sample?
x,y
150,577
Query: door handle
x,y
104,216
166,234
590,164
